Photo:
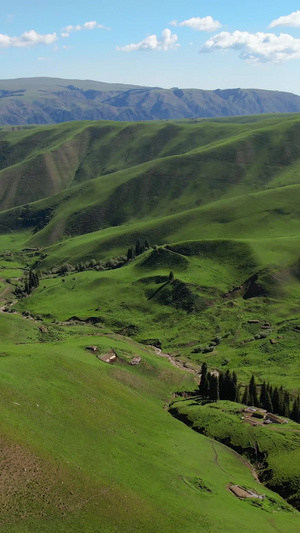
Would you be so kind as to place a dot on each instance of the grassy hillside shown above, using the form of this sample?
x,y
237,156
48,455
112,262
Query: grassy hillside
x,y
38,162
142,170
218,202
275,449
88,447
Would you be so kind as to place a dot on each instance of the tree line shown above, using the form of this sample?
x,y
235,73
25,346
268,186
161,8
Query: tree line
x,y
110,264
138,249
30,283
216,386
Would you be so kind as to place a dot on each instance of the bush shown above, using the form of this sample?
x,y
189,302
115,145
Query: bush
x,y
63,269
92,263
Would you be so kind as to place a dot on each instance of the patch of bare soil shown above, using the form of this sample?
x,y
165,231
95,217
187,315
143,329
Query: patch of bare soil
x,y
31,487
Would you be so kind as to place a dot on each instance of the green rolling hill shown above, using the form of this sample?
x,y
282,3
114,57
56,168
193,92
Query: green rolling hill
x,y
216,203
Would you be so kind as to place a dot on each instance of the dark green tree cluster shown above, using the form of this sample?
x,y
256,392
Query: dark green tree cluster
x,y
229,389
32,282
295,413
222,386
272,399
138,249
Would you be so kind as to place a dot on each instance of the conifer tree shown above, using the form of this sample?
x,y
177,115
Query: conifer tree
x,y
281,401
253,392
275,400
268,403
246,398
263,394
203,379
270,390
221,385
130,254
286,411
234,387
138,247
214,388
295,414
207,385
227,386
238,394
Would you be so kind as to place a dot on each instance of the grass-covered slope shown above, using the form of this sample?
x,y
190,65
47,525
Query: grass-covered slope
x,y
206,299
88,447
274,449
166,166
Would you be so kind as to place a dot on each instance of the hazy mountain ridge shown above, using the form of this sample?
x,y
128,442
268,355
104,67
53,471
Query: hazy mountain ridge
x,y
54,100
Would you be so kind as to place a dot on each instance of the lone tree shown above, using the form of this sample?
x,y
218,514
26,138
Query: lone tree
x,y
138,246
130,254
171,277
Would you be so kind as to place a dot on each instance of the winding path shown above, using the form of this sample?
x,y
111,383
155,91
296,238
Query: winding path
x,y
174,361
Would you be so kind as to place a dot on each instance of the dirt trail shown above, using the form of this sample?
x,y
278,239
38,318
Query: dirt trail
x,y
174,361
246,463
213,444
5,291
240,457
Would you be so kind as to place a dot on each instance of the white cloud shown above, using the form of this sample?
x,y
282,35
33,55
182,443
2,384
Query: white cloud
x,y
200,24
292,20
92,25
28,38
259,47
168,41
42,58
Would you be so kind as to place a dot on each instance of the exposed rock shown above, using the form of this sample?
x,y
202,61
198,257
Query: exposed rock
x,y
135,361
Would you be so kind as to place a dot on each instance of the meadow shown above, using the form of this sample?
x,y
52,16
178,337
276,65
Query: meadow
x,y
87,446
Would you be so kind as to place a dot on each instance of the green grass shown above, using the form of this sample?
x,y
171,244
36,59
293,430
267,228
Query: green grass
x,y
101,427
219,201
277,446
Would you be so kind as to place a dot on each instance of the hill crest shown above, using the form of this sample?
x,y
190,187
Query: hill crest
x,y
56,100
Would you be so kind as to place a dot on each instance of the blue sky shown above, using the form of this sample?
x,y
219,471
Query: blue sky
x,y
201,44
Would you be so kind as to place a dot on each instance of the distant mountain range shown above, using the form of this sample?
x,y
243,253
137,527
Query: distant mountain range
x,y
54,100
